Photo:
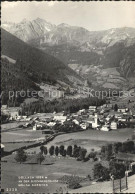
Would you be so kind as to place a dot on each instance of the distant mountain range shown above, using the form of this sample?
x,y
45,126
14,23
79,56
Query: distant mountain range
x,y
64,33
81,49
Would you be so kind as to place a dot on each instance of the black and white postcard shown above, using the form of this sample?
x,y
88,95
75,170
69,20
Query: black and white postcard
x,y
67,97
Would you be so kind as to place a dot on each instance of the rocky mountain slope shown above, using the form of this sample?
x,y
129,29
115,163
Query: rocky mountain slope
x,y
27,30
64,33
76,46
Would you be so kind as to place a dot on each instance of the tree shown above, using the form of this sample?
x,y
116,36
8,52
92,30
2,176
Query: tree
x,y
42,149
76,151
101,172
115,107
64,153
51,150
73,182
82,153
56,150
61,149
107,151
92,155
117,169
40,158
45,150
69,151
4,118
21,156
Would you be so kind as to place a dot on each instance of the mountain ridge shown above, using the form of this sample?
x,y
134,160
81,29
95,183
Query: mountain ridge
x,y
30,64
74,45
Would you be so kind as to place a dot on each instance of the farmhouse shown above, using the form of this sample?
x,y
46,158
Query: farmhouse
x,y
83,125
76,121
105,128
37,127
13,112
113,125
92,108
93,120
51,124
60,117
122,110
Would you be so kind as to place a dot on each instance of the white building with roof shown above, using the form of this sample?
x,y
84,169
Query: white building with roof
x,y
113,125
105,128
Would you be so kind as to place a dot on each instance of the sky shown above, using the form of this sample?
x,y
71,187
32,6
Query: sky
x,y
93,15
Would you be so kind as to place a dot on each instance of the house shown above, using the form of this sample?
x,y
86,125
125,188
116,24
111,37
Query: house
x,y
92,108
51,124
60,117
113,125
4,110
3,107
108,118
37,127
27,125
122,119
76,122
81,111
83,126
122,110
93,120
12,112
105,128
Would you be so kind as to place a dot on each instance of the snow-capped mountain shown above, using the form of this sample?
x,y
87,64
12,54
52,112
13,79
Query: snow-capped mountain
x,y
27,30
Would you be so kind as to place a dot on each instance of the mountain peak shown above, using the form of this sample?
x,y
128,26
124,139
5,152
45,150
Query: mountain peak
x,y
40,20
63,25
24,21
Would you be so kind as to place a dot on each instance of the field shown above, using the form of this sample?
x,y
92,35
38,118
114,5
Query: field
x,y
59,168
23,134
19,135
91,139
12,125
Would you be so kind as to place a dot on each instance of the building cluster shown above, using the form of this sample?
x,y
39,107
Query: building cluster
x,y
102,118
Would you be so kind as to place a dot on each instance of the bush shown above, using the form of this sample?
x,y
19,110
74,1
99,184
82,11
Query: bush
x,y
51,150
82,153
101,172
21,156
69,151
40,158
76,151
56,150
117,169
61,149
74,185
